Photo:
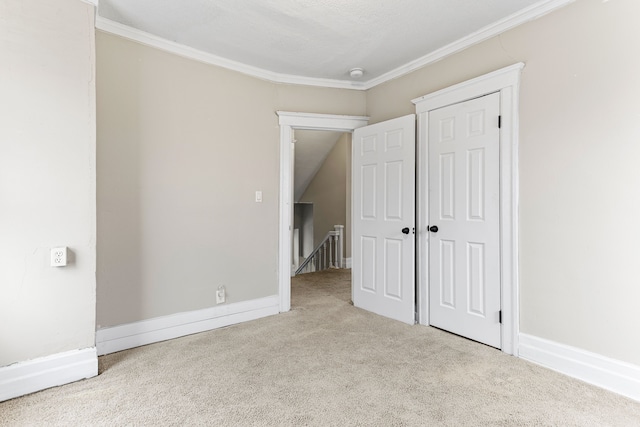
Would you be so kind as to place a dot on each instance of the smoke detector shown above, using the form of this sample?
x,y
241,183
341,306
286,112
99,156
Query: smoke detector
x,y
356,73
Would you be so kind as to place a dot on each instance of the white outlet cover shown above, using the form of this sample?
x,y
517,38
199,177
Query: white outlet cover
x,y
220,295
59,256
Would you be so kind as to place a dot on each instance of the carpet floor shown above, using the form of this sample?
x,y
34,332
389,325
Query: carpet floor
x,y
324,363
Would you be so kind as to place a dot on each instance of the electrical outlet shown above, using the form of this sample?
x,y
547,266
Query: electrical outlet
x,y
220,295
59,256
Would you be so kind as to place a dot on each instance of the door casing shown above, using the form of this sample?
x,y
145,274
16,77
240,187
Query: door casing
x,y
289,121
506,81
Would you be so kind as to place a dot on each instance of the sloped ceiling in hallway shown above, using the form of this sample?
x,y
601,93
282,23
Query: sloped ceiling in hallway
x,y
311,150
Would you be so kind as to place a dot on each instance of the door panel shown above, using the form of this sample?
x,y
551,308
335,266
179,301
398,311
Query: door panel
x,y
383,261
464,254
367,267
447,186
369,192
393,268
393,193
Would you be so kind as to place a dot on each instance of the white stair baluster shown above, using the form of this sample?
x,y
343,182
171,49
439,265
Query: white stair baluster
x,y
328,254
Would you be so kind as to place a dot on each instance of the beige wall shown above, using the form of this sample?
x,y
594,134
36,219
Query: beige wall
x,y
579,176
47,177
328,192
182,148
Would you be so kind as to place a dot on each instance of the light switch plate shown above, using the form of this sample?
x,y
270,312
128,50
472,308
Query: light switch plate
x,y
258,196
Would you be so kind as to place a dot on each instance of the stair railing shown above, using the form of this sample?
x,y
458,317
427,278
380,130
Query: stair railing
x,y
328,254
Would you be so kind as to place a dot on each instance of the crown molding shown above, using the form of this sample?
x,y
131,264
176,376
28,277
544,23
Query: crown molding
x,y
528,14
145,38
525,15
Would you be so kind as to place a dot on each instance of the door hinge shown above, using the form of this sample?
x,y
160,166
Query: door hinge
x,y
500,316
499,122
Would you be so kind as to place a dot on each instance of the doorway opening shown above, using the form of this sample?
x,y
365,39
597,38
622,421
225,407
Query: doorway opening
x,y
321,203
289,123
504,82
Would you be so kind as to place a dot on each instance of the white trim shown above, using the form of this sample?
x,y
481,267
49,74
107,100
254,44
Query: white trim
x,y
478,86
313,121
525,15
422,241
346,262
611,374
289,121
507,82
127,32
130,335
45,372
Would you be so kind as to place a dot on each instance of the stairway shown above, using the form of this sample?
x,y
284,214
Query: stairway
x,y
328,254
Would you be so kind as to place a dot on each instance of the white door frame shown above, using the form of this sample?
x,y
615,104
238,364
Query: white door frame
x,y
506,81
288,122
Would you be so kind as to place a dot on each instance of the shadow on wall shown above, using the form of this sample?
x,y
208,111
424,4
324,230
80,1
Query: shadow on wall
x,y
303,222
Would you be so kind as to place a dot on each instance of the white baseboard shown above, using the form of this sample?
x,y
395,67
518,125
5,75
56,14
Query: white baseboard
x,y
346,262
130,335
45,372
611,374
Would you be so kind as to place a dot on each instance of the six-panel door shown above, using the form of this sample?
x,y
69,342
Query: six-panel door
x,y
464,253
383,258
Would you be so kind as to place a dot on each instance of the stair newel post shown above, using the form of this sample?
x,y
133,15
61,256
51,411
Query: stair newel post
x,y
330,244
296,248
339,252
324,257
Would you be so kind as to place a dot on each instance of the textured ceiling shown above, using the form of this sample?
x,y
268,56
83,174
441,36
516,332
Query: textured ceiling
x,y
321,39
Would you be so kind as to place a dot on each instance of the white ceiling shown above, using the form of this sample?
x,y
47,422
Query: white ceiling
x,y
320,39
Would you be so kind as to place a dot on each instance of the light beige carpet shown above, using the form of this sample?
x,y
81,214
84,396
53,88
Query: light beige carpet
x,y
325,363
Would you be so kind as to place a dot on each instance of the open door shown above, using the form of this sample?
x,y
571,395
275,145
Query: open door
x,y
383,244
